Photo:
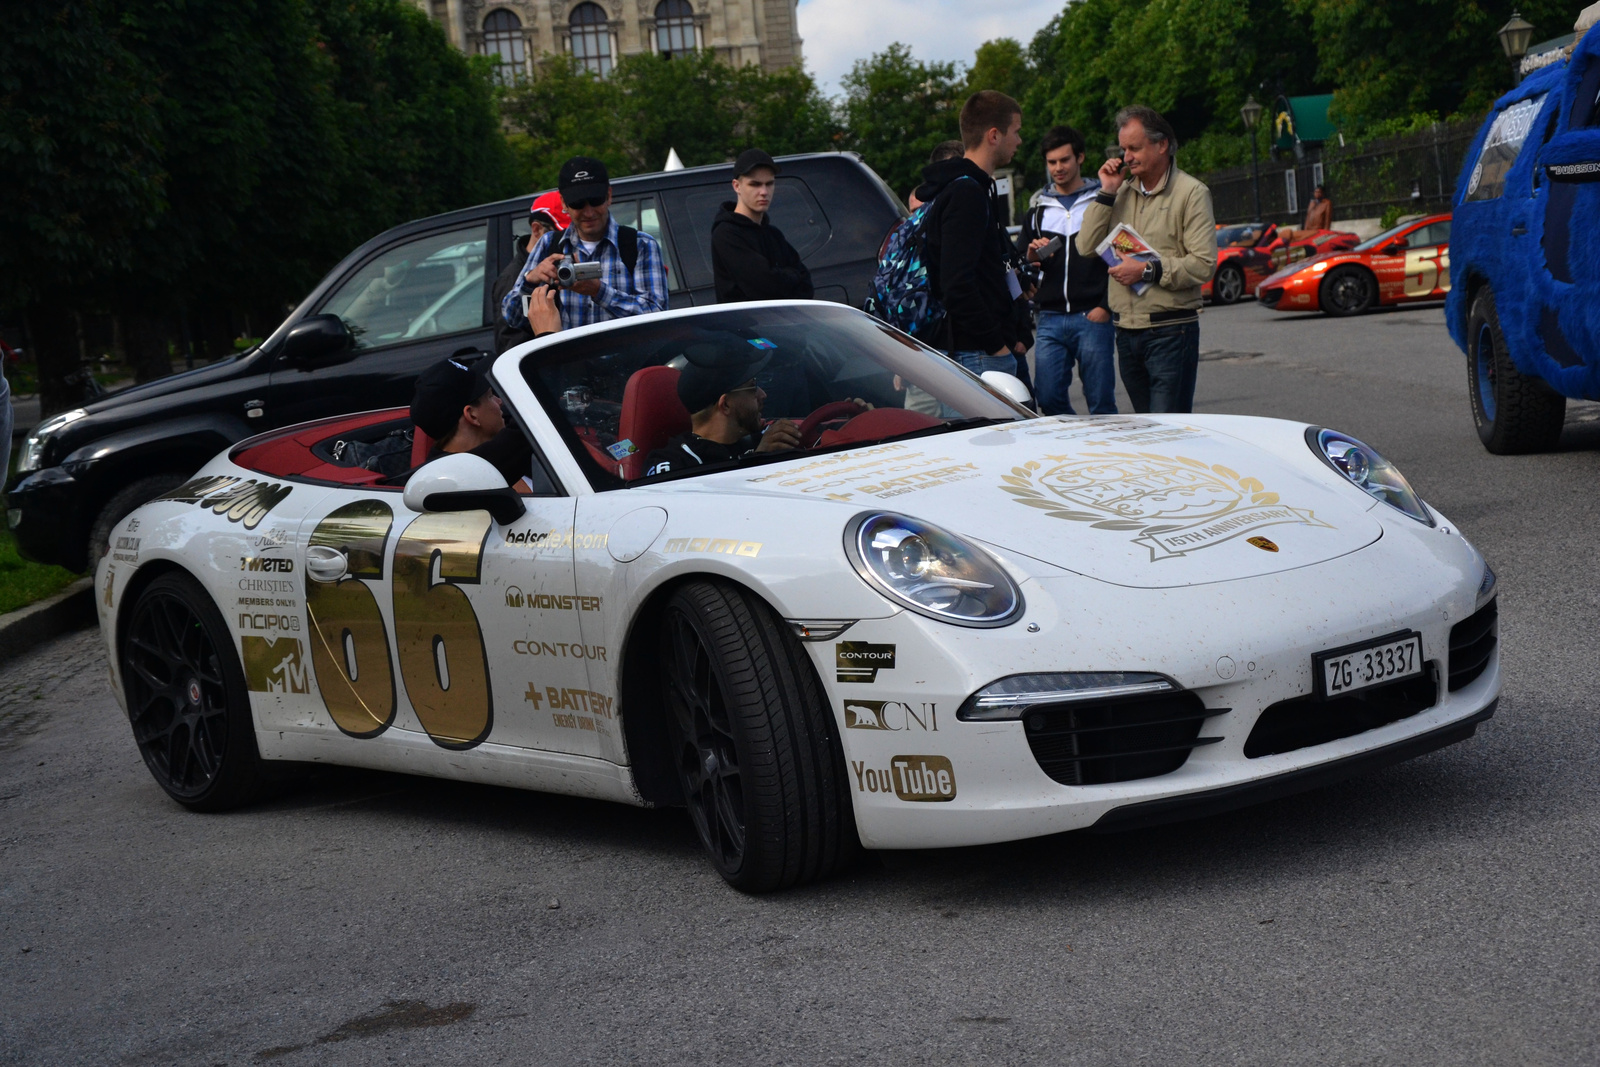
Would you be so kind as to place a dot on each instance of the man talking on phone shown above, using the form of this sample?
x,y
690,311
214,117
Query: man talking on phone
x,y
1155,301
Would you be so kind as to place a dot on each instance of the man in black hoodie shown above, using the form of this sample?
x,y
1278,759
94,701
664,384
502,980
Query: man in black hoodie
x,y
967,249
749,257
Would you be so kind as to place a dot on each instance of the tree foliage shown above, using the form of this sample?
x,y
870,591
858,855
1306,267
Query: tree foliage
x,y
705,109
896,109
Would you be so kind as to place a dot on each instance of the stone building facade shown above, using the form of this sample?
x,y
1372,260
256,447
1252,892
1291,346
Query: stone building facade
x,y
763,32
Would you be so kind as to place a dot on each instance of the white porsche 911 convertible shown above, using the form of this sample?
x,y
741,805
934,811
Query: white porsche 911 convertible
x,y
938,621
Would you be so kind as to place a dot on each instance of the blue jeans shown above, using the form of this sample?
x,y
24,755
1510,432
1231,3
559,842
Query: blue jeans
x,y
1158,366
978,362
1064,338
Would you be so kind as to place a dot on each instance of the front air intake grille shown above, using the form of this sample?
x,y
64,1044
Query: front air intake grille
x,y
1096,742
1305,721
1472,643
1269,297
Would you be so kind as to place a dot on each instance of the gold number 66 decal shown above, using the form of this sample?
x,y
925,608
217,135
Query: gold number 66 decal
x,y
442,658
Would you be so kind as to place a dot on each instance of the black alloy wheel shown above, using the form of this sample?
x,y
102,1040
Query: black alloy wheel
x,y
1348,290
1514,413
753,742
186,697
1228,288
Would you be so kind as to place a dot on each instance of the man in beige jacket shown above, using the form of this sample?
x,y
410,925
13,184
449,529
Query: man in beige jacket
x,y
1158,329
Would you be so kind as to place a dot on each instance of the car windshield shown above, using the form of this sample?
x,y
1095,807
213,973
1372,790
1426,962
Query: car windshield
x,y
844,377
1387,235
1237,236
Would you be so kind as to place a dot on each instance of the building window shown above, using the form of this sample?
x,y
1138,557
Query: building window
x,y
591,38
674,27
502,38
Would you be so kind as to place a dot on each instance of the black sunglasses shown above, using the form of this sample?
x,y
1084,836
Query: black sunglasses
x,y
592,201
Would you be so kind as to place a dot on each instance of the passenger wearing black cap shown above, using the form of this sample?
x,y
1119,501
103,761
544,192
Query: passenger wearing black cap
x,y
454,404
724,401
749,256
633,277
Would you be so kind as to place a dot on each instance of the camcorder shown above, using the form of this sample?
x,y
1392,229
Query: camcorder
x,y
569,274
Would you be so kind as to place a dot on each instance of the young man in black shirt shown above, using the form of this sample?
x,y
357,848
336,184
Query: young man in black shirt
x,y
750,259
724,401
968,254
1074,319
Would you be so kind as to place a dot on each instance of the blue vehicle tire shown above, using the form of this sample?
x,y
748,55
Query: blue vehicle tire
x,y
1514,413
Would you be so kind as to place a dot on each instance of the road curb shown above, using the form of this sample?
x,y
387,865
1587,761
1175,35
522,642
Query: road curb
x,y
71,609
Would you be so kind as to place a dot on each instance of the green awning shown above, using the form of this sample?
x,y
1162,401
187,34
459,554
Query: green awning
x,y
1301,118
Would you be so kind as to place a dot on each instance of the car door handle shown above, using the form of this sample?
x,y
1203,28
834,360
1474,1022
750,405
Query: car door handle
x,y
1518,230
326,564
472,352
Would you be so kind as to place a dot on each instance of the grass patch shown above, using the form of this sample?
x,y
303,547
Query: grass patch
x,y
22,582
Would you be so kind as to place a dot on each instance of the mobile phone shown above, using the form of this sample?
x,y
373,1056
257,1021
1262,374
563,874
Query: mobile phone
x,y
1050,249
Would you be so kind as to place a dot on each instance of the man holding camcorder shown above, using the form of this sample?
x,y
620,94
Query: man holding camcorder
x,y
604,271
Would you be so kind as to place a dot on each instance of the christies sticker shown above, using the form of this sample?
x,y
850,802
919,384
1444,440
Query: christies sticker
x,y
1356,667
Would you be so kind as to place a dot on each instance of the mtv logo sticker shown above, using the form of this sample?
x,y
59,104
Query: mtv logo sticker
x,y
860,661
274,665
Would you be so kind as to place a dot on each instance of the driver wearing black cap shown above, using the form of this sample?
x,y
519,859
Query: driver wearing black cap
x,y
724,401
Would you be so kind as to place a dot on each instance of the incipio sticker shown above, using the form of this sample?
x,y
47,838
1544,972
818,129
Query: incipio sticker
x,y
761,342
622,449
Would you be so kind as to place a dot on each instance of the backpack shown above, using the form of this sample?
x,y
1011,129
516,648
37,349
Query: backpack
x,y
901,293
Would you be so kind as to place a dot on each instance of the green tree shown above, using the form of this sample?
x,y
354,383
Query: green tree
x,y
564,111
783,112
80,149
1393,60
897,109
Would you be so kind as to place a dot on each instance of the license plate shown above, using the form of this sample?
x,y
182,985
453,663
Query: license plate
x,y
1357,667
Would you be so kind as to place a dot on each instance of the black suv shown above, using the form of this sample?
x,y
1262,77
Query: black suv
x,y
402,301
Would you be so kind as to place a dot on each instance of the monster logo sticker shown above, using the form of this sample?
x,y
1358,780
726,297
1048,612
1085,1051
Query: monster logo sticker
x,y
274,665
1173,505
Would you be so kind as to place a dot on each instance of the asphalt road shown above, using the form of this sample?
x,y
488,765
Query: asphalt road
x,y
1443,911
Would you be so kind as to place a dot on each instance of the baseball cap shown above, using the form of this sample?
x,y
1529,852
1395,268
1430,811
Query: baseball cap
x,y
710,370
549,204
442,391
583,178
750,159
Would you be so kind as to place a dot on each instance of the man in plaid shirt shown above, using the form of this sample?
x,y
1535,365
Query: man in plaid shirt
x,y
593,237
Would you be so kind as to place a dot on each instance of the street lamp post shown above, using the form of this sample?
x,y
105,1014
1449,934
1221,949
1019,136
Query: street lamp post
x,y
1251,113
1514,37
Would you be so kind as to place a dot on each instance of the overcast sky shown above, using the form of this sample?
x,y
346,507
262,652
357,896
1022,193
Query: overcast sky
x,y
839,32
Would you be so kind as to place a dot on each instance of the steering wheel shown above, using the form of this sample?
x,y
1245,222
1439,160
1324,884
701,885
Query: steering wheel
x,y
811,429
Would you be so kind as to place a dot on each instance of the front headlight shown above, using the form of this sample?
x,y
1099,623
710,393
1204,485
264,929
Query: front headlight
x,y
1368,470
1010,698
33,446
930,571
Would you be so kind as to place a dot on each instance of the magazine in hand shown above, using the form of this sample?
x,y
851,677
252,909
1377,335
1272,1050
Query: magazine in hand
x,y
1124,242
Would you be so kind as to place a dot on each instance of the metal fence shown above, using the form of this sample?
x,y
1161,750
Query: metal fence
x,y
1416,173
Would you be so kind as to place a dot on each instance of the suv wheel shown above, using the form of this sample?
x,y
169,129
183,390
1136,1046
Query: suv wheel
x,y
1514,413
121,505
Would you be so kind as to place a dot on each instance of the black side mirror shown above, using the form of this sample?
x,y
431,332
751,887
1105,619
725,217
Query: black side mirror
x,y
318,340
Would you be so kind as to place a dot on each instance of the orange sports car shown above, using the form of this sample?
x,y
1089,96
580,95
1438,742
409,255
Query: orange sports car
x,y
1406,264
1248,251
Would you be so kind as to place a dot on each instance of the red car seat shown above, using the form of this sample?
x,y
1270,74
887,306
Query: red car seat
x,y
652,414
421,443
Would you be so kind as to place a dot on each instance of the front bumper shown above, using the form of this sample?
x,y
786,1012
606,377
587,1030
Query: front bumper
x,y
45,513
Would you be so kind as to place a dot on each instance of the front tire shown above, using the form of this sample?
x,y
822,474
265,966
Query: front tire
x,y
186,698
1228,288
1514,413
753,741
1348,290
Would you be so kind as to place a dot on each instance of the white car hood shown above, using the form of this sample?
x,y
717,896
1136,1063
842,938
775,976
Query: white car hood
x,y
1133,501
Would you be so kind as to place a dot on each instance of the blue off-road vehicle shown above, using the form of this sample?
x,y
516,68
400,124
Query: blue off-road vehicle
x,y
1524,302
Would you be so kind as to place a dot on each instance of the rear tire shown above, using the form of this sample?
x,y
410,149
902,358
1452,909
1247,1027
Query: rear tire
x,y
121,505
1228,288
753,741
1348,290
1515,413
186,697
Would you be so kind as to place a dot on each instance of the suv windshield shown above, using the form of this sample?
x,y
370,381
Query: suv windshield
x,y
843,376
